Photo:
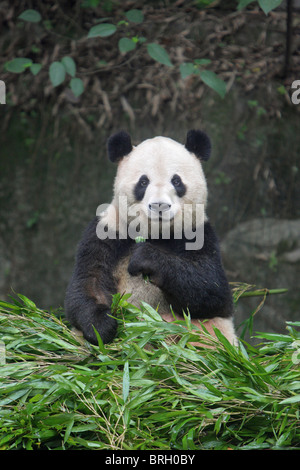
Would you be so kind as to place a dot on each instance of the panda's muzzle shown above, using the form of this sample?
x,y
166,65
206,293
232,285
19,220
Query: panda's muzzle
x,y
159,209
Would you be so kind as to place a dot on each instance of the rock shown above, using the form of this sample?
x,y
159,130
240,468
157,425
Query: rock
x,y
266,253
292,256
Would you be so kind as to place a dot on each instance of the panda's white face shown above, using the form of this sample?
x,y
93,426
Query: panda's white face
x,y
161,179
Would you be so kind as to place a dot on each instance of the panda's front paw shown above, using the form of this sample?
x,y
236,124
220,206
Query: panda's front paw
x,y
144,260
102,321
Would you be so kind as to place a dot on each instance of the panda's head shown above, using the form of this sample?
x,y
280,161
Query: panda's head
x,y
159,177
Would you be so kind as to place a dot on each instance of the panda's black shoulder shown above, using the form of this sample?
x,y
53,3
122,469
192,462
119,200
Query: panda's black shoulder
x,y
211,241
89,239
90,244
210,244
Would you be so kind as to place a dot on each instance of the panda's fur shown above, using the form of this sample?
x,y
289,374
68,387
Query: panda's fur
x,y
158,176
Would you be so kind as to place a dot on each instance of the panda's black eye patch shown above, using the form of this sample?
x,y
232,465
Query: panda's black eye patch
x,y
178,185
140,187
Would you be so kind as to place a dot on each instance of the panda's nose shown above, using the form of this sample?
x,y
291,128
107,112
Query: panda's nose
x,y
159,207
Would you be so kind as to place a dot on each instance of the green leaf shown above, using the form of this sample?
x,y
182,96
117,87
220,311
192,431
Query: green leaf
x,y
126,45
135,16
126,381
150,310
29,303
186,69
103,30
159,54
269,5
57,73
35,68
213,81
69,65
31,16
18,65
243,3
294,399
202,61
77,86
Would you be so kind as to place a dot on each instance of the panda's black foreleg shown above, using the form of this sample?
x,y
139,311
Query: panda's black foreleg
x,y
190,281
85,314
89,293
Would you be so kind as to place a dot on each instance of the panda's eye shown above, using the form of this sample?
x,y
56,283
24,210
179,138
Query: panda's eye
x,y
140,187
178,185
144,182
176,181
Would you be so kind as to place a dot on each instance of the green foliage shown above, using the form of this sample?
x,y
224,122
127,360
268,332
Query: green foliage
x,y
102,30
265,5
57,73
243,3
207,76
77,86
18,65
143,391
213,81
58,69
187,69
126,45
269,5
159,54
32,16
69,65
35,68
135,16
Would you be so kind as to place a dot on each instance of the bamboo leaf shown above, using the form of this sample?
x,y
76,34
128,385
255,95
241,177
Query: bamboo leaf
x,y
126,381
294,399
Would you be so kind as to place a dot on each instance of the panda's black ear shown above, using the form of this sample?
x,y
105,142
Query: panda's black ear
x,y
118,146
198,143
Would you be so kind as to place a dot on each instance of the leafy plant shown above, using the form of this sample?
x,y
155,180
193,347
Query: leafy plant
x,y
214,82
58,71
265,5
18,65
59,392
32,16
127,44
159,54
102,30
207,76
135,16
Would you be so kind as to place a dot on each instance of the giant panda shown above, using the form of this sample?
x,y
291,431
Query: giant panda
x,y
159,185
